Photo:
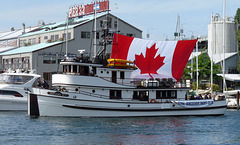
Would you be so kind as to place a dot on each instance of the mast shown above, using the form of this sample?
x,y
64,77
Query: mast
x,y
95,32
197,64
223,70
211,85
178,27
67,38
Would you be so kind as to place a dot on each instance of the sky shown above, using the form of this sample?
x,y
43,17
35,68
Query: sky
x,y
156,17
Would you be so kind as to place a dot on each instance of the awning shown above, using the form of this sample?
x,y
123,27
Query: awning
x,y
231,77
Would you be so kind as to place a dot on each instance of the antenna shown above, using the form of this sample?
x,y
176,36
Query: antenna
x,y
67,38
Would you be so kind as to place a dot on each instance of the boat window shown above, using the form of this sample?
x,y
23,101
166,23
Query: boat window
x,y
135,95
64,68
14,79
143,95
166,94
75,68
122,75
115,94
114,76
7,92
69,68
81,69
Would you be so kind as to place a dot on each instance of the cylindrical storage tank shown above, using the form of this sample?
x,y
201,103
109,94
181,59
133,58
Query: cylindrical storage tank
x,y
215,37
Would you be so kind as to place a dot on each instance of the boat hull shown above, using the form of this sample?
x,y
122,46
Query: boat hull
x,y
50,105
8,103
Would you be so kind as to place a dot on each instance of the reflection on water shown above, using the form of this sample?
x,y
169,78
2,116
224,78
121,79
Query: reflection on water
x,y
18,127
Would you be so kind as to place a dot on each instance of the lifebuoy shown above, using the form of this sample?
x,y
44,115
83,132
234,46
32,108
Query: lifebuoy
x,y
153,101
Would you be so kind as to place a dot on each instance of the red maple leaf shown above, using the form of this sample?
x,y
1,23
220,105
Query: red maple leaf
x,y
149,64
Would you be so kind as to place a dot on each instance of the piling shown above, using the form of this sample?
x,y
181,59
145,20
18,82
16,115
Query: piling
x,y
237,97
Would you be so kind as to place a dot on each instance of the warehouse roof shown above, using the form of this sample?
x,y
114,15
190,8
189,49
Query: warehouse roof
x,y
61,25
32,48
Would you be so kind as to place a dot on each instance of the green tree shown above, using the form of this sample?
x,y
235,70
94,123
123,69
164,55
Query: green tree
x,y
204,67
237,20
238,65
237,16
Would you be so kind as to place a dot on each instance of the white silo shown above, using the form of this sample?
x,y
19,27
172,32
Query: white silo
x,y
215,35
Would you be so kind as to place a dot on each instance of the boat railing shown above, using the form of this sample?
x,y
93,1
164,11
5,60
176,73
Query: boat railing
x,y
149,83
76,90
93,94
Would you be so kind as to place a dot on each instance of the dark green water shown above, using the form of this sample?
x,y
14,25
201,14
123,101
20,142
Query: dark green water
x,y
18,128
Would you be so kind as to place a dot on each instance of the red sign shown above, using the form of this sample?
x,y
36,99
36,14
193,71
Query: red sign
x,y
81,10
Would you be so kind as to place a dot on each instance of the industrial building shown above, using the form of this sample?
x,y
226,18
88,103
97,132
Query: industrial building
x,y
9,39
42,49
216,36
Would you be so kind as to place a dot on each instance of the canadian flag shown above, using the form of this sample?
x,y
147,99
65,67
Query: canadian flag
x,y
154,59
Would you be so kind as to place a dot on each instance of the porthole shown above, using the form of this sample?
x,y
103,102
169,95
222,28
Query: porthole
x,y
93,91
107,72
101,72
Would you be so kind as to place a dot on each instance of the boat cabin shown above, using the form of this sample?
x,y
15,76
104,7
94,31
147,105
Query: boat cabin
x,y
115,82
119,74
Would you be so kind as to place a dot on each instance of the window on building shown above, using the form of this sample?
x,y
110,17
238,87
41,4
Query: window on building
x,y
56,37
85,35
15,64
52,37
4,63
7,64
109,24
33,41
101,24
26,63
49,59
45,37
64,36
130,35
22,42
69,36
115,24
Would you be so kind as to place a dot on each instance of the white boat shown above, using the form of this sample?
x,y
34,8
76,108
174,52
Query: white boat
x,y
114,92
14,89
96,96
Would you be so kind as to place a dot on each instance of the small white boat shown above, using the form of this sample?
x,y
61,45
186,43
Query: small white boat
x,y
112,91
14,88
